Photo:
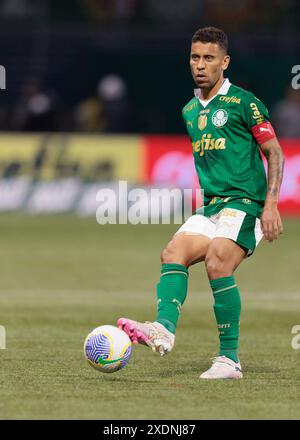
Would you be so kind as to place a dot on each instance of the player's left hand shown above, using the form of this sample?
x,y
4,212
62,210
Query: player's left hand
x,y
271,223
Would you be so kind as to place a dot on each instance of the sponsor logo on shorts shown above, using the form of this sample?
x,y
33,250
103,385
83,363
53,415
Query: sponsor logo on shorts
x,y
229,212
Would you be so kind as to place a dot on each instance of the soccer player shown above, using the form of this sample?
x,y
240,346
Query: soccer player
x,y
228,126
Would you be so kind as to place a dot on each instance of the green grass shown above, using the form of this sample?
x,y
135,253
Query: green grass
x,y
63,276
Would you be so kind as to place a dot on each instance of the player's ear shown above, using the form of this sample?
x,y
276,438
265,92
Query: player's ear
x,y
226,61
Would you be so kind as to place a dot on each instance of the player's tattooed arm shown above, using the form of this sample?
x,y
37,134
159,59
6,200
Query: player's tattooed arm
x,y
271,221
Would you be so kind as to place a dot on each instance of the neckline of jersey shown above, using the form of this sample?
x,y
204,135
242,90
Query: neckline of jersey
x,y
223,90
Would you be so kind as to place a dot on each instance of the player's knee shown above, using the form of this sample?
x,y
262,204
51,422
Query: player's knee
x,y
171,254
216,267
212,264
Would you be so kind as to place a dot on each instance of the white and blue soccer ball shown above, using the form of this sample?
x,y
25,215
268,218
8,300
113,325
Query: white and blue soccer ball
x,y
107,348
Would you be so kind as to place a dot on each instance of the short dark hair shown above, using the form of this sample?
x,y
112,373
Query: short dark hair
x,y
211,35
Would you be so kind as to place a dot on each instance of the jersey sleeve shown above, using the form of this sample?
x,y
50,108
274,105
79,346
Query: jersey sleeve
x,y
257,119
255,112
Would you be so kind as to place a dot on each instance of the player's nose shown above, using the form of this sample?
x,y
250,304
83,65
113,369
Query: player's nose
x,y
200,65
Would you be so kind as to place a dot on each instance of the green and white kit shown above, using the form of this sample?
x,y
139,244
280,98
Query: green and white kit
x,y
228,163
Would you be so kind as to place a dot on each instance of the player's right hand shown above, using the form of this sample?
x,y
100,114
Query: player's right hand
x,y
271,223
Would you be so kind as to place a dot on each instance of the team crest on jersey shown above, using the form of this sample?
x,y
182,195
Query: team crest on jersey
x,y
219,118
202,121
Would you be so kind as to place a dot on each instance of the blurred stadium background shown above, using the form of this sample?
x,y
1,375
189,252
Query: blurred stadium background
x,y
80,72
94,92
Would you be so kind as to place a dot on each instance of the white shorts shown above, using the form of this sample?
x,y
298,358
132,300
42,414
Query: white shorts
x,y
237,225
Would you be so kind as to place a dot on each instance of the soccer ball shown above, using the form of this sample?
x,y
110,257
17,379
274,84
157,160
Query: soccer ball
x,y
107,348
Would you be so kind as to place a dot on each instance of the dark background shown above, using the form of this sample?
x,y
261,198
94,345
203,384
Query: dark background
x,y
68,46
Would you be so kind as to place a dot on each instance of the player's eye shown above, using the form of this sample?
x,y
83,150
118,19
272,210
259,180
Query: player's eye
x,y
195,57
209,57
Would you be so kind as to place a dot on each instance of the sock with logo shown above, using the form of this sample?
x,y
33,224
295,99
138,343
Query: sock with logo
x,y
227,308
171,294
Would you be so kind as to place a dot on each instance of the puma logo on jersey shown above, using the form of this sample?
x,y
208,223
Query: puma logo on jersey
x,y
190,107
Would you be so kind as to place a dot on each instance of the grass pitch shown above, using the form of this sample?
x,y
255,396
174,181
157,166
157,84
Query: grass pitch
x,y
63,276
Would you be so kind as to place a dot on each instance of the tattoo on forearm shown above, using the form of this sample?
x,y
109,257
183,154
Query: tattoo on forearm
x,y
275,171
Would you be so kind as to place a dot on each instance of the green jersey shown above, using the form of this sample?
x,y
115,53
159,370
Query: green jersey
x,y
227,158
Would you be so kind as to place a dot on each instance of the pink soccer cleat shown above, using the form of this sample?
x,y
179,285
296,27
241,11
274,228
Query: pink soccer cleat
x,y
152,334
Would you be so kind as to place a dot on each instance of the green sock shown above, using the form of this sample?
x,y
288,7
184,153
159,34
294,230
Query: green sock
x,y
171,294
227,310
